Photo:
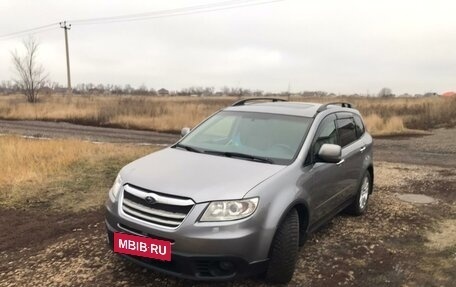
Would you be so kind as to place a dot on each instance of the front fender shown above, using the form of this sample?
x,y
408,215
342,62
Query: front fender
x,y
278,195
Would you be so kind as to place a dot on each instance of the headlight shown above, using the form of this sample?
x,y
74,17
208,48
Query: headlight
x,y
115,188
230,210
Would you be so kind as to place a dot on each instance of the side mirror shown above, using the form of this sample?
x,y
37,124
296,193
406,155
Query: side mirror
x,y
331,153
185,131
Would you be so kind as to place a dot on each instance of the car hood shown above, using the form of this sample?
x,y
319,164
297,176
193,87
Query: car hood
x,y
202,177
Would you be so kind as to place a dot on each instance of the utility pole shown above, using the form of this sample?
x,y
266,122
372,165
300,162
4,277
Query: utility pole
x,y
288,91
66,28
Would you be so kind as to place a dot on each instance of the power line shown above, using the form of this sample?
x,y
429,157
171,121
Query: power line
x,y
30,31
165,11
174,14
203,8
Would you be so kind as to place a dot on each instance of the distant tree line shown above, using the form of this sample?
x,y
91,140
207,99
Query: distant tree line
x,y
10,87
48,88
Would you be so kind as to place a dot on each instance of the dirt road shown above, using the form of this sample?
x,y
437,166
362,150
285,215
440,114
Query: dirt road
x,y
42,129
436,149
395,244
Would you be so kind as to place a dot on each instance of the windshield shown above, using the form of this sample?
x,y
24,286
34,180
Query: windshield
x,y
256,136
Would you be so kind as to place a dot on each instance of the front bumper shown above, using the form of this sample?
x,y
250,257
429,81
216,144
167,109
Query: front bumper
x,y
202,251
195,267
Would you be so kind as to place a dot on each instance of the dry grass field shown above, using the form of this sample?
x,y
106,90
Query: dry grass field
x,y
384,116
36,171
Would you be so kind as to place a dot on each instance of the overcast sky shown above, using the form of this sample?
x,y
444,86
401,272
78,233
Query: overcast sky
x,y
337,46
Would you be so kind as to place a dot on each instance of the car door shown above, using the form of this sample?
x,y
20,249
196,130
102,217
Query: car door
x,y
352,149
327,180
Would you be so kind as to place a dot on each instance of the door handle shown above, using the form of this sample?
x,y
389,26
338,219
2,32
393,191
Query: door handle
x,y
340,162
362,149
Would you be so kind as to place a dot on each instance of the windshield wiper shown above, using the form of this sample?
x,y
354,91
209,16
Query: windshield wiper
x,y
189,148
225,153
241,155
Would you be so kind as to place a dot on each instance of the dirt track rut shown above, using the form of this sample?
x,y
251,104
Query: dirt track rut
x,y
99,134
437,149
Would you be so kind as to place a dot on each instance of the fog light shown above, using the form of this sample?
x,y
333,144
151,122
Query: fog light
x,y
226,265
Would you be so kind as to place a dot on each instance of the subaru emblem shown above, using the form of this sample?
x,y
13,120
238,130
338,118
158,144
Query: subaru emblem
x,y
150,200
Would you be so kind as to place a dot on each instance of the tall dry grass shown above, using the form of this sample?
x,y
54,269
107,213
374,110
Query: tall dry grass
x,y
170,114
39,169
29,160
161,114
381,126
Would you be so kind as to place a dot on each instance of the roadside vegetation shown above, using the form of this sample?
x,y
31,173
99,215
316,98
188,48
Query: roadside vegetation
x,y
384,116
58,172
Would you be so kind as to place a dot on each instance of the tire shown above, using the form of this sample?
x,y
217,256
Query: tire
x,y
284,250
302,237
359,205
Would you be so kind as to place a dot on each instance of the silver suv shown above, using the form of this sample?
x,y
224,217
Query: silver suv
x,y
238,194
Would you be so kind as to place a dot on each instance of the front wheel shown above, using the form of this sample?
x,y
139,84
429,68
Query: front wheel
x,y
284,250
359,205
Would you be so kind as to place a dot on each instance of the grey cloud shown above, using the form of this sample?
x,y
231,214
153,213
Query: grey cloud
x,y
340,46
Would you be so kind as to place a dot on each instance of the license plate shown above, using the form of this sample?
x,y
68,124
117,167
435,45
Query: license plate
x,y
142,246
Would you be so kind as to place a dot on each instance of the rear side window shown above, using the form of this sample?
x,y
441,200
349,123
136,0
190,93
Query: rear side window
x,y
347,131
359,126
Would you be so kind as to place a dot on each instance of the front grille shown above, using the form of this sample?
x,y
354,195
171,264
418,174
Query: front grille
x,y
203,268
159,209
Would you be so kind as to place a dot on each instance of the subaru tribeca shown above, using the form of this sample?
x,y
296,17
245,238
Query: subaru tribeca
x,y
238,194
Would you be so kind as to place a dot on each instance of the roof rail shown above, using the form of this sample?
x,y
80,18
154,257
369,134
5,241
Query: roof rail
x,y
244,101
325,106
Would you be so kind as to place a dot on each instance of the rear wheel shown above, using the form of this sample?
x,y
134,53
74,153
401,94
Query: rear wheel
x,y
284,250
359,205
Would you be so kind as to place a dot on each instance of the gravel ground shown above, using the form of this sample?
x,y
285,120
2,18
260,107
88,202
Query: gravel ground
x,y
395,244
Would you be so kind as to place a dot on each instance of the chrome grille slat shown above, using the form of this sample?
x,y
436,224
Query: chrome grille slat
x,y
159,198
165,211
154,211
150,218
